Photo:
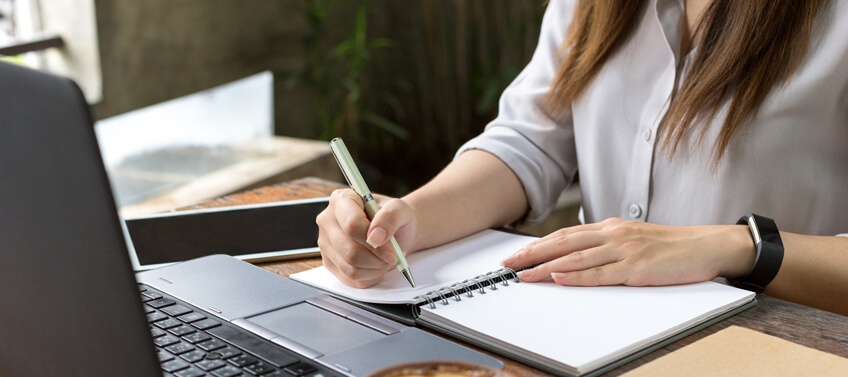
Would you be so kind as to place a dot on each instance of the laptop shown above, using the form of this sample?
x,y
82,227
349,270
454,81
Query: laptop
x,y
70,304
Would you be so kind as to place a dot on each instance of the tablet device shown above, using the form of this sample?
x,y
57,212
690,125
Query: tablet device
x,y
255,233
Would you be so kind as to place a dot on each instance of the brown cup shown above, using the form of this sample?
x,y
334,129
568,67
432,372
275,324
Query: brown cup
x,y
440,368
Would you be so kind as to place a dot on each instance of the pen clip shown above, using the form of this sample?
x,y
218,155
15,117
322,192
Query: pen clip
x,y
339,162
348,167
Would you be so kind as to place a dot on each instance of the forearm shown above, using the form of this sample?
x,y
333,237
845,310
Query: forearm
x,y
474,192
814,272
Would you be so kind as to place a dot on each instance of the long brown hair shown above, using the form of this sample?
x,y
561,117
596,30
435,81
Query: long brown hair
x,y
745,48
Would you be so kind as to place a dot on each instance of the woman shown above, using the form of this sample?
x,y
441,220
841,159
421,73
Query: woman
x,y
673,144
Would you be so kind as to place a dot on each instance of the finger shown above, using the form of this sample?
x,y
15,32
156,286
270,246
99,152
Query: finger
x,y
608,274
353,273
571,229
354,222
393,214
347,197
387,254
362,283
347,253
555,245
575,261
349,213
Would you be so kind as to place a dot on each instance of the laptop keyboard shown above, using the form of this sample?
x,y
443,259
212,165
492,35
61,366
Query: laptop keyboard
x,y
191,343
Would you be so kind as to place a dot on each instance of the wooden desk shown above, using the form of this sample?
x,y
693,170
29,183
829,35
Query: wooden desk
x,y
797,323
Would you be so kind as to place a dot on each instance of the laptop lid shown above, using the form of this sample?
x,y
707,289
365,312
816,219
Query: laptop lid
x,y
69,304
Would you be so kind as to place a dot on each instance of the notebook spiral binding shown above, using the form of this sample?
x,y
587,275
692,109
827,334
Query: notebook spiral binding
x,y
467,287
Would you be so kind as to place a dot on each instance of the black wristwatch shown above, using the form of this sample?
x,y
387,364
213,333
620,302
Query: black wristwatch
x,y
769,253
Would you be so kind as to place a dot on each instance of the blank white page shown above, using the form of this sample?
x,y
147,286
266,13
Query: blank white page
x,y
432,268
582,327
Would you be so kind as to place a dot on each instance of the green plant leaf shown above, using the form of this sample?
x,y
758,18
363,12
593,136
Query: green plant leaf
x,y
381,43
394,103
386,125
488,97
344,47
360,34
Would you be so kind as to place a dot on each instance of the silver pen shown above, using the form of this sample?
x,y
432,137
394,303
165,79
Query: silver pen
x,y
354,179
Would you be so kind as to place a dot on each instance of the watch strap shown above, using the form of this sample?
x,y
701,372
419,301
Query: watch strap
x,y
769,253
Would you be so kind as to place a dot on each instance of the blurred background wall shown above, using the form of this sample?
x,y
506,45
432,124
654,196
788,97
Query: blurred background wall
x,y
155,50
404,82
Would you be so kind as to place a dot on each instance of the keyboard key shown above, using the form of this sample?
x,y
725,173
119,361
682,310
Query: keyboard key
x,y
148,310
300,369
208,365
179,348
191,317
164,356
227,371
167,323
274,354
176,310
167,340
196,338
161,303
242,360
259,368
157,332
156,316
174,365
193,372
227,352
211,345
193,356
277,373
214,355
182,330
206,324
147,296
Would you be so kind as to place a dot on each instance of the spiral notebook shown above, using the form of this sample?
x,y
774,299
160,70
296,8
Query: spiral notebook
x,y
463,292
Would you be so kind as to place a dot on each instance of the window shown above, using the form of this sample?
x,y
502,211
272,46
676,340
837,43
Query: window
x,y
58,36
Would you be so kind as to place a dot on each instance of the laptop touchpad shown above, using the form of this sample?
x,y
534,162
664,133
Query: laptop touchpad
x,y
316,328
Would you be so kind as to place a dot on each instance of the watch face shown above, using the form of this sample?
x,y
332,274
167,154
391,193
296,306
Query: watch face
x,y
755,231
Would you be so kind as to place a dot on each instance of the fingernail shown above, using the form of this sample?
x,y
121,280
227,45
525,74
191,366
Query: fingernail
x,y
557,275
509,260
512,258
377,237
388,256
525,274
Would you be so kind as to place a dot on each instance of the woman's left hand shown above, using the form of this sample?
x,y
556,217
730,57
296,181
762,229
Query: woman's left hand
x,y
616,252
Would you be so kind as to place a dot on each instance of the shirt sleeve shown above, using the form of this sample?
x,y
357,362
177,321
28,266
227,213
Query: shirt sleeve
x,y
539,149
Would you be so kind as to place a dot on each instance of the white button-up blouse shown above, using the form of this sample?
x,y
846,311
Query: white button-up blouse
x,y
789,163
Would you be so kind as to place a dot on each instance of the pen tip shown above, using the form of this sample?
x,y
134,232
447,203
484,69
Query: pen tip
x,y
408,276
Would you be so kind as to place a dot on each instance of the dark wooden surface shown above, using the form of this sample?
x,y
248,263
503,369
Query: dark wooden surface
x,y
797,323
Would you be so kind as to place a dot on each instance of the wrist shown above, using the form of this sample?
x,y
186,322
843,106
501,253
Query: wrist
x,y
740,252
769,253
416,227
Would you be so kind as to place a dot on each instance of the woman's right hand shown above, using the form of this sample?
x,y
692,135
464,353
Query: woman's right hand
x,y
356,250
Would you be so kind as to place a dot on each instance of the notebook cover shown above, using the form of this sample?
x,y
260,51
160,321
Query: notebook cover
x,y
737,351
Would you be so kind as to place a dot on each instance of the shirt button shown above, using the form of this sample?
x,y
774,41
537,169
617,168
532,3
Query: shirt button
x,y
635,211
647,134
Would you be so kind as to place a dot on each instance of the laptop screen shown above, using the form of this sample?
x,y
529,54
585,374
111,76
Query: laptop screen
x,y
70,304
